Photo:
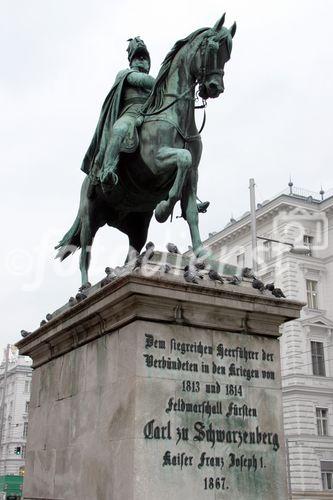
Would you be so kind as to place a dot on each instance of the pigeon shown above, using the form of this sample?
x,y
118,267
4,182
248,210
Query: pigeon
x,y
277,292
107,280
71,301
192,269
233,280
150,247
172,248
190,276
215,276
166,268
200,264
24,333
248,273
138,262
258,285
80,296
110,276
144,256
84,287
49,316
42,323
270,287
110,272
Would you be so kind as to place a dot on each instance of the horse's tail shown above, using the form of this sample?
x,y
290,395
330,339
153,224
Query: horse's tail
x,y
71,241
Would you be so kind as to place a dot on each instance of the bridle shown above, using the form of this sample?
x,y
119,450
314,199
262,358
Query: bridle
x,y
209,59
209,52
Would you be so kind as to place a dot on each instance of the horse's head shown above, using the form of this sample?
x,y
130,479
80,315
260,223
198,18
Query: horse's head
x,y
213,52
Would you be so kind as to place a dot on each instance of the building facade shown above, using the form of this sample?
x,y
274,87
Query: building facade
x,y
295,251
15,380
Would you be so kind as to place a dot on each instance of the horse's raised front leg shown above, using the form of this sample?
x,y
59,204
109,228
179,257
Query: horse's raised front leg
x,y
190,211
166,160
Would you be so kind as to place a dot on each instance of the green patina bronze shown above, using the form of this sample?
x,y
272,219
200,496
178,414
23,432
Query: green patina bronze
x,y
146,149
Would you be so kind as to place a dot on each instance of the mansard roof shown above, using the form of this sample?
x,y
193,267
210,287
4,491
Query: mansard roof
x,y
268,209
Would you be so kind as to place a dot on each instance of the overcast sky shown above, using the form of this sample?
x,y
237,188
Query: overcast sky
x,y
59,59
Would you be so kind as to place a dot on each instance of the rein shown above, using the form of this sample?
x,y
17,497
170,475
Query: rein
x,y
208,67
178,98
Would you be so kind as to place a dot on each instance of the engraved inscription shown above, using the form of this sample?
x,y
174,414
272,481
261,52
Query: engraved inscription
x,y
221,398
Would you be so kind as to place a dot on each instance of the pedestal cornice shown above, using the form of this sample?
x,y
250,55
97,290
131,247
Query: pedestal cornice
x,y
159,298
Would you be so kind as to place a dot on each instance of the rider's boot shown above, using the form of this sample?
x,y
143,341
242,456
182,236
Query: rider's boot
x,y
108,173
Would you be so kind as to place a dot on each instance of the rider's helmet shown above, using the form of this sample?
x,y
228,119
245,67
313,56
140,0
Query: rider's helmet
x,y
137,48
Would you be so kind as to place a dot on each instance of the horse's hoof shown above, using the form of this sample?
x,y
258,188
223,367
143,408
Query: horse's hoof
x,y
201,252
162,211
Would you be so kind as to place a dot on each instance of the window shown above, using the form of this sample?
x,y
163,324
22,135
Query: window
x,y
312,294
322,416
27,406
25,429
27,386
23,452
241,260
318,360
327,474
267,251
308,242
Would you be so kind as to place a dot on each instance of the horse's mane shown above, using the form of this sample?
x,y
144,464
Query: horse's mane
x,y
154,101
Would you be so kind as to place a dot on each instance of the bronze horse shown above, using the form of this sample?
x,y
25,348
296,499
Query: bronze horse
x,y
164,169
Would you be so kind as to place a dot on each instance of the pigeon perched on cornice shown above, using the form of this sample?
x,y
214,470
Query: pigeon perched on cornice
x,y
258,285
71,301
270,287
84,287
233,280
190,275
200,264
150,247
215,276
138,262
80,296
166,268
172,248
110,272
248,273
110,276
24,333
42,323
277,292
105,281
192,269
49,316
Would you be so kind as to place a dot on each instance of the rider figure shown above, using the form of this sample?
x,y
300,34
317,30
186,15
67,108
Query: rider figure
x,y
120,116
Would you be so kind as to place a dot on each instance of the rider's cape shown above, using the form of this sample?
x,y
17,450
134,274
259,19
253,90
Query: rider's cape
x,y
109,114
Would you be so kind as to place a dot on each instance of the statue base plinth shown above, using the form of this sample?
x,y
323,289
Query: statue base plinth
x,y
152,388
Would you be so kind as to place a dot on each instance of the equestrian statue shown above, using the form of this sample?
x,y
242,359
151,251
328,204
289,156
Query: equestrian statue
x,y
145,152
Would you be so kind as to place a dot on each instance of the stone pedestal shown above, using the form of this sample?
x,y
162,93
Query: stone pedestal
x,y
155,389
